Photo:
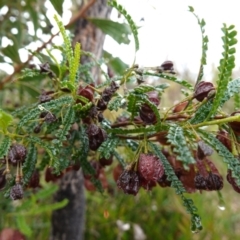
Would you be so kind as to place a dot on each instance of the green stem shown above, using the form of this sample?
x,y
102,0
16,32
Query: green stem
x,y
218,121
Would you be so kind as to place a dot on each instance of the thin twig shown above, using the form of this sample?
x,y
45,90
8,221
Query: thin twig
x,y
20,66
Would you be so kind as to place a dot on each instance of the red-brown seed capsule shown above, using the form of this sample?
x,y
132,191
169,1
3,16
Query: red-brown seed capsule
x,y
167,65
87,92
150,167
146,113
236,124
180,107
232,181
202,90
224,138
106,162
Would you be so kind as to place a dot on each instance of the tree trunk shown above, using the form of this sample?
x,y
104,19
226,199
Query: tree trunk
x,y
68,222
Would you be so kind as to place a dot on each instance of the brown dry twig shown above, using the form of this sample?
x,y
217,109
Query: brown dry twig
x,y
20,66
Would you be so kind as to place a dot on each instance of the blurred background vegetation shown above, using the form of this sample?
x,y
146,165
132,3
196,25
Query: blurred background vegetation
x,y
157,214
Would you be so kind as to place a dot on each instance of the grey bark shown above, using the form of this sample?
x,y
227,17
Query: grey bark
x,y
68,222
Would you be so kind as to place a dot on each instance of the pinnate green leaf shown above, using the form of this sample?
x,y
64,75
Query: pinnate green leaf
x,y
178,141
4,146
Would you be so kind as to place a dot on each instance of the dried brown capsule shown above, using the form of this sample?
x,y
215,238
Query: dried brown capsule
x,y
50,118
96,136
45,68
109,91
150,167
203,90
210,173
146,113
232,181
17,153
46,96
214,182
37,129
114,86
129,182
93,113
163,182
107,94
16,192
101,105
200,182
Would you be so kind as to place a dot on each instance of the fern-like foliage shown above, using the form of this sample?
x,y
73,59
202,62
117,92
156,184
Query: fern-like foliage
x,y
76,61
201,113
137,99
236,101
50,149
233,89
227,63
73,57
60,163
132,106
232,162
66,39
116,103
29,163
22,111
4,146
31,73
131,23
147,130
133,145
68,119
143,89
84,71
108,146
177,185
45,161
81,157
51,128
202,24
171,176
177,139
182,82
52,105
